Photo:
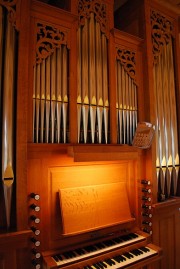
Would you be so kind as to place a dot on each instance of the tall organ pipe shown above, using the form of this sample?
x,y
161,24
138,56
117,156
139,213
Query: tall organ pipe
x,y
92,98
7,119
167,141
1,45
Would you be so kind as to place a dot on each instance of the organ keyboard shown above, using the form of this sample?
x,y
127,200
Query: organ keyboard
x,y
117,252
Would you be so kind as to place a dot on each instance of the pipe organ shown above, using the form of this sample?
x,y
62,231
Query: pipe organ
x,y
167,161
76,78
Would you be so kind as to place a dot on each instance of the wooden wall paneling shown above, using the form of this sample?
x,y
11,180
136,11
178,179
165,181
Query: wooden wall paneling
x,y
112,91
166,233
15,250
22,115
112,78
32,60
73,84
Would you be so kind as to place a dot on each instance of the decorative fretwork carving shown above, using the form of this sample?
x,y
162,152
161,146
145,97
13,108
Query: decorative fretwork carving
x,y
127,60
10,5
162,30
86,7
48,38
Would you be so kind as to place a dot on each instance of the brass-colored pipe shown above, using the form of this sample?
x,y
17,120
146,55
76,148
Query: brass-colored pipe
x,y
8,119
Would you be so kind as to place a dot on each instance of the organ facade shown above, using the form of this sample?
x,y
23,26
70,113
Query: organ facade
x,y
90,134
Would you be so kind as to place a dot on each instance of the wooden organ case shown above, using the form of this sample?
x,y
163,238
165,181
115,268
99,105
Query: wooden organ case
x,y
87,100
87,196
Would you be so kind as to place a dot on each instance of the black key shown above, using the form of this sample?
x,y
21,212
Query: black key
x,y
109,243
60,257
80,251
144,249
100,264
90,248
110,262
118,240
100,246
128,255
133,235
136,252
105,265
118,258
56,258
126,237
96,266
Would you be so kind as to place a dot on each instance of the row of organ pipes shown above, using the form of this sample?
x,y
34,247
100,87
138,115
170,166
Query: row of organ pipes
x,y
167,161
50,96
126,104
50,99
92,79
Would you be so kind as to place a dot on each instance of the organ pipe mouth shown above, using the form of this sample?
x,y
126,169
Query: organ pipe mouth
x,y
8,176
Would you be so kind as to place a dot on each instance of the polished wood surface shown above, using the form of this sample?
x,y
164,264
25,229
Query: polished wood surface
x,y
47,168
15,250
166,232
60,171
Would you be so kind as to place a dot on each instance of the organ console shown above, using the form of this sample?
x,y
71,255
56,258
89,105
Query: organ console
x,y
130,250
98,229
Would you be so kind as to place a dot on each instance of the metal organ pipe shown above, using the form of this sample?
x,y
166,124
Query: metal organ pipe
x,y
59,93
47,105
99,75
50,97
167,141
64,91
105,85
126,104
7,118
53,93
92,74
1,45
43,72
85,78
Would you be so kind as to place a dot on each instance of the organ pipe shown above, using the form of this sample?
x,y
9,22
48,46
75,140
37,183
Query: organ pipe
x,y
92,99
50,97
8,127
167,140
126,103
